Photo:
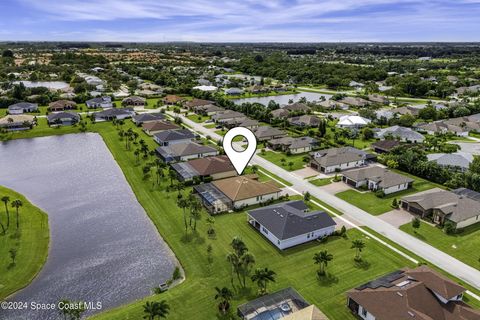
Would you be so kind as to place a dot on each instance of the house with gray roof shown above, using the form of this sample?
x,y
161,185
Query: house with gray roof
x,y
442,127
228,115
290,223
184,151
142,118
100,102
297,107
293,145
337,159
458,161
114,113
168,137
377,178
22,107
279,113
263,133
400,133
460,206
304,121
233,91
63,118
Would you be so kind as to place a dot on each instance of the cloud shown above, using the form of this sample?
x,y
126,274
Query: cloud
x,y
255,20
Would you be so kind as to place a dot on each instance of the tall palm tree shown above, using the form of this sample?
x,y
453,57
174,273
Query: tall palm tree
x,y
195,209
358,245
239,246
233,259
6,200
183,204
149,308
17,204
247,261
162,309
322,258
262,277
224,295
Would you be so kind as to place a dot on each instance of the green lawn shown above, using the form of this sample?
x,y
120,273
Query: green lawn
x,y
264,175
321,182
31,243
194,298
369,202
463,246
197,118
277,157
210,125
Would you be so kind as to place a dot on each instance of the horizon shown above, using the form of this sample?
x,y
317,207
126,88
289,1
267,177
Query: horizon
x,y
274,21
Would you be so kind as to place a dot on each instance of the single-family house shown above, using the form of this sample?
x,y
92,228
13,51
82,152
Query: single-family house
x,y
417,294
154,127
205,88
268,133
233,92
384,146
355,102
333,105
400,133
458,161
171,99
279,113
235,193
441,127
16,122
113,113
63,118
376,98
352,122
104,102
228,115
305,121
208,110
197,103
168,137
293,145
22,107
377,179
134,101
61,105
142,118
184,151
290,223
337,159
461,207
297,107
216,167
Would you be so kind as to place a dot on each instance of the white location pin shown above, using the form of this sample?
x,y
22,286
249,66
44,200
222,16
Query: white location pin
x,y
239,159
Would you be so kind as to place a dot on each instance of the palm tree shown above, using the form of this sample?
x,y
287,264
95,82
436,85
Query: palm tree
x,y
239,246
195,209
358,245
17,204
262,277
224,295
154,309
322,258
246,261
149,308
183,204
6,200
233,259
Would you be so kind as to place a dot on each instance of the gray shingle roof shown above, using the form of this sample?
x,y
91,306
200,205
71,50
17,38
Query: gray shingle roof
x,y
52,117
139,118
337,156
184,149
458,159
289,219
383,177
402,133
173,135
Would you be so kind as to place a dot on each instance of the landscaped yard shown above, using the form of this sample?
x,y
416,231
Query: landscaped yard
x,y
321,181
369,202
197,118
296,160
30,243
463,246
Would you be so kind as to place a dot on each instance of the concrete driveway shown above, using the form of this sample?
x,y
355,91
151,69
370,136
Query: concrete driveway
x,y
335,187
397,217
306,172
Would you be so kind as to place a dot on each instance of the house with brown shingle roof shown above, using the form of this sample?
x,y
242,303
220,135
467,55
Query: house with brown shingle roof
x,y
154,127
134,101
236,193
417,294
184,151
304,121
197,103
263,133
217,167
171,99
61,105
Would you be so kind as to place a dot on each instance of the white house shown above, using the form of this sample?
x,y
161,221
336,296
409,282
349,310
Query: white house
x,y
21,107
100,102
377,178
337,159
352,122
289,224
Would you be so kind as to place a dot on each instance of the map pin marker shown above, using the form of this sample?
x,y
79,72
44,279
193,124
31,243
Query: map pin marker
x,y
239,159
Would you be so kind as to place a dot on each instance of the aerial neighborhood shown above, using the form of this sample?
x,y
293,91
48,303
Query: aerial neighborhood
x,y
361,201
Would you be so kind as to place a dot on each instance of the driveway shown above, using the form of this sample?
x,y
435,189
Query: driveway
x,y
469,147
306,172
335,187
397,217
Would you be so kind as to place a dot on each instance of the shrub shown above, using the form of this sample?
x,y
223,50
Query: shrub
x,y
449,227
176,273
380,193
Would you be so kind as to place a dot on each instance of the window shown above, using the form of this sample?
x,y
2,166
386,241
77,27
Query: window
x,y
364,312
264,230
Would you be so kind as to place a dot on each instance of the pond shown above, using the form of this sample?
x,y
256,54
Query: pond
x,y
103,246
283,99
56,85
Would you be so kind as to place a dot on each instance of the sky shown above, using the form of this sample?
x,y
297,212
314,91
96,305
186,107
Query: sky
x,y
240,20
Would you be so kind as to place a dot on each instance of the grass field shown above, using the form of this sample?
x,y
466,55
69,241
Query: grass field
x,y
277,157
31,243
197,118
463,246
321,182
372,204
194,298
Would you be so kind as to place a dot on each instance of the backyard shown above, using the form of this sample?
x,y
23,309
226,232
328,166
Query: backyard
x,y
287,162
460,246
